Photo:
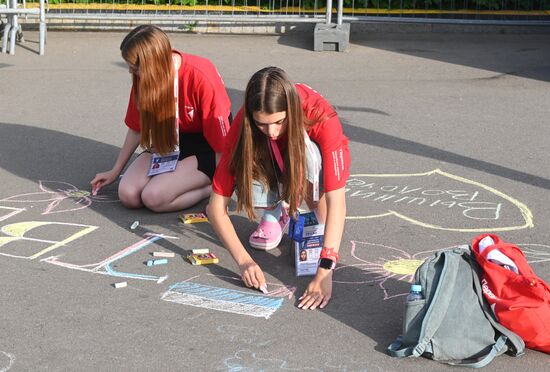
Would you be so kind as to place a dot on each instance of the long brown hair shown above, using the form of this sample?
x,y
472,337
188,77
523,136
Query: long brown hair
x,y
147,49
269,91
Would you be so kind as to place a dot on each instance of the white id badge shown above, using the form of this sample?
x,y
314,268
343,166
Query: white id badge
x,y
162,164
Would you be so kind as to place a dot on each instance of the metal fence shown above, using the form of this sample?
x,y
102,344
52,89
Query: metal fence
x,y
296,11
190,10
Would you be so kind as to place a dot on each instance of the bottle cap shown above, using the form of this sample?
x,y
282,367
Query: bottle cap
x,y
416,288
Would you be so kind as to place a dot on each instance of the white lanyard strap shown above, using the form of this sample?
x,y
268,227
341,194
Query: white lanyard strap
x,y
313,154
176,99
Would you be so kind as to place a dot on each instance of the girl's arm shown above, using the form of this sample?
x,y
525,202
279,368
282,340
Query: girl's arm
x,y
216,210
319,290
130,145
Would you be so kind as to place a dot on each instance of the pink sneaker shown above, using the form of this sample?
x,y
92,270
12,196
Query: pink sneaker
x,y
268,235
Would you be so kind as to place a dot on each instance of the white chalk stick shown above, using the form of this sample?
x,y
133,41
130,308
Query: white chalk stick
x,y
201,251
164,254
134,225
121,284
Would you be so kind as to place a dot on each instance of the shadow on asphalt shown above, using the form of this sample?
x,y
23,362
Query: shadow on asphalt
x,y
374,138
58,156
300,36
520,55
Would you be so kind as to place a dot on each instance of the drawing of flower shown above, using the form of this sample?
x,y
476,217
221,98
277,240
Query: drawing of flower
x,y
383,263
62,197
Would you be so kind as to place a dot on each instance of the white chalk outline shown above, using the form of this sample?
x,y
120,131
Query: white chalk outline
x,y
15,211
95,268
525,211
282,364
11,358
16,234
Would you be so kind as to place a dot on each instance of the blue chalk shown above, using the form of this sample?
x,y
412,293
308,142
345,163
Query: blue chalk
x,y
162,261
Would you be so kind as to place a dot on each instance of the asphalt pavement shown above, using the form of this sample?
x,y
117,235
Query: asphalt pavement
x,y
449,138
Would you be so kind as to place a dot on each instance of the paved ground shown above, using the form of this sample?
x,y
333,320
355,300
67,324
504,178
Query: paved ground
x,y
457,123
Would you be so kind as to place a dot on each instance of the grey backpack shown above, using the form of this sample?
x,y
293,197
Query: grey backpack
x,y
453,323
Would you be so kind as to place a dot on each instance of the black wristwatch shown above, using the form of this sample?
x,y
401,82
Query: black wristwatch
x,y
327,263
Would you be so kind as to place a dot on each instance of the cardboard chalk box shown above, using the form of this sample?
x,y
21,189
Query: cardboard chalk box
x,y
306,234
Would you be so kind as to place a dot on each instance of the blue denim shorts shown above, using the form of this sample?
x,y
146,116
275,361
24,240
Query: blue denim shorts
x,y
264,198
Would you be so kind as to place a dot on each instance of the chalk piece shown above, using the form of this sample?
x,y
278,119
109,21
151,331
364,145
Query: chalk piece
x,y
121,284
162,261
134,225
164,254
263,288
200,251
95,189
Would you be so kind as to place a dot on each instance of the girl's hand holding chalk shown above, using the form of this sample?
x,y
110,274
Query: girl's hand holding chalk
x,y
95,189
252,275
103,179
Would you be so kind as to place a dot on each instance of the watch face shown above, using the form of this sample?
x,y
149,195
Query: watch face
x,y
326,263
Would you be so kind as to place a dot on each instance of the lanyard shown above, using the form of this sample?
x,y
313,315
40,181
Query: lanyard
x,y
277,154
168,163
316,166
313,155
176,100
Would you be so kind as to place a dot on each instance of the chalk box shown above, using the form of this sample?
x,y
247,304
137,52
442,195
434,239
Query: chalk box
x,y
193,218
203,258
307,236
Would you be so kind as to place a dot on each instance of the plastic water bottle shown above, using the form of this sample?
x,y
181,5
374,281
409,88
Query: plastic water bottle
x,y
415,294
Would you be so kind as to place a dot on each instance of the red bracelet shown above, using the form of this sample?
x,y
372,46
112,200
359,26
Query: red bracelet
x,y
330,254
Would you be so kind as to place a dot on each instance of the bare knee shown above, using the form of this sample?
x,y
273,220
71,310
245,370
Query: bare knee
x,y
153,199
129,196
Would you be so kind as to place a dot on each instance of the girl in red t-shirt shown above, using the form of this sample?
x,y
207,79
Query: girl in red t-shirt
x,y
277,145
179,113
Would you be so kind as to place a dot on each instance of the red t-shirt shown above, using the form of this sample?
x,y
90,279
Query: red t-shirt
x,y
326,133
204,106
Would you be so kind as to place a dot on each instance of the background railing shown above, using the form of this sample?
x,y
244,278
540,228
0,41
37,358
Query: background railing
x,y
301,10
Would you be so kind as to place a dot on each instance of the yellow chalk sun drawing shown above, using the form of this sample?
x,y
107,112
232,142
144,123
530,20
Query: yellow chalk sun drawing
x,y
78,194
381,264
402,267
393,269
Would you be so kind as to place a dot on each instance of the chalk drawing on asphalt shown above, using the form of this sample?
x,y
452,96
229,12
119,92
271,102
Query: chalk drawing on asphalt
x,y
378,264
273,289
535,253
16,232
222,299
10,212
247,360
106,267
61,197
435,200
237,335
6,361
